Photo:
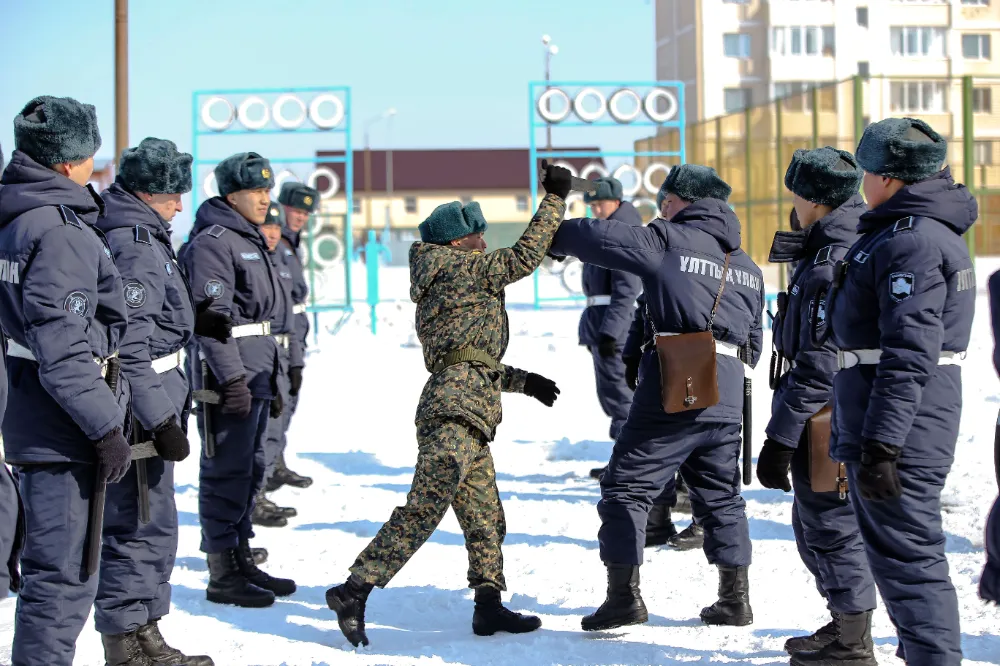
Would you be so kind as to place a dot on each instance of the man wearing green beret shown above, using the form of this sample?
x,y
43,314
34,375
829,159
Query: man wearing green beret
x,y
462,324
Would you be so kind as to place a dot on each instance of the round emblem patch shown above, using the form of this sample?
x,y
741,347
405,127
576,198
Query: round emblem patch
x,y
214,289
135,294
77,303
169,267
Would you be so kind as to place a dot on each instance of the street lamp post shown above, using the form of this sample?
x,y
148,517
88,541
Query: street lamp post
x,y
550,50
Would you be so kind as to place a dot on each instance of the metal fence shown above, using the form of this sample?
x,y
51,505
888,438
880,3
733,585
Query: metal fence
x,y
752,148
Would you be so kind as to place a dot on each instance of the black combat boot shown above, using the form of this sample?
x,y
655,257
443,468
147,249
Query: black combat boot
x,y
598,472
228,585
259,555
623,606
659,527
822,637
124,650
268,505
852,647
281,587
282,476
262,517
490,615
153,645
691,537
348,602
733,606
683,503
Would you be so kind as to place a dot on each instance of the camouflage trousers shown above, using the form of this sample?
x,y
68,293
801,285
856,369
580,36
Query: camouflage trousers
x,y
454,468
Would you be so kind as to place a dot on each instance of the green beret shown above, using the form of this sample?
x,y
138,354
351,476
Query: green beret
x,y
692,182
54,130
903,148
824,176
608,189
452,220
243,171
275,214
155,167
298,195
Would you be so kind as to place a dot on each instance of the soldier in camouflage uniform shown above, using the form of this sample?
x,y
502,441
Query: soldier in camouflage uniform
x,y
462,325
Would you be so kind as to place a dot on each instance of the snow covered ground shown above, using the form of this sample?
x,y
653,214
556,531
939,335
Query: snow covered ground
x,y
354,435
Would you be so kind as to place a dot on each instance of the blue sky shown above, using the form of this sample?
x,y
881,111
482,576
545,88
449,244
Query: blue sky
x,y
456,70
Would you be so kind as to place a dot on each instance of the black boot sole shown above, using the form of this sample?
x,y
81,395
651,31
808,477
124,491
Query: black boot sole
x,y
634,618
479,631
734,621
226,600
860,661
333,603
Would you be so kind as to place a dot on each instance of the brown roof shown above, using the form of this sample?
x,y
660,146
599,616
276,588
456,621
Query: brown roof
x,y
480,169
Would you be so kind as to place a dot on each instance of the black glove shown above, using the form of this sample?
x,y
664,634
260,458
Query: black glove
x,y
557,180
294,380
632,370
555,257
210,324
277,405
170,441
772,465
113,455
235,395
540,388
878,479
607,346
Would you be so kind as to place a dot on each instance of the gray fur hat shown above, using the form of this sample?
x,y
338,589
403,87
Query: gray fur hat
x,y
156,167
608,189
452,220
54,130
243,171
692,182
275,215
903,148
298,195
824,176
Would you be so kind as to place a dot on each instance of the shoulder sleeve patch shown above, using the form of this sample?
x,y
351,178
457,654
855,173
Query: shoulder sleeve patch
x,y
142,235
135,293
216,230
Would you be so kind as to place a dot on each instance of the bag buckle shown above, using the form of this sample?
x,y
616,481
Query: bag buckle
x,y
842,482
689,388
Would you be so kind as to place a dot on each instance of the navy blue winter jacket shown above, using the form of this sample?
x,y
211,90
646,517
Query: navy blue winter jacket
x,y
909,290
289,248
680,265
808,385
160,307
599,321
226,261
61,297
284,321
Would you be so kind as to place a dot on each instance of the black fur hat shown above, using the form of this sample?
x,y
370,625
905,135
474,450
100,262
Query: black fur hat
x,y
156,167
275,215
824,176
54,130
903,148
243,171
608,189
298,195
692,182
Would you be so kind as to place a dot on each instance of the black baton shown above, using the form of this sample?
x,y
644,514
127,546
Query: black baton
x,y
207,398
141,473
747,431
95,521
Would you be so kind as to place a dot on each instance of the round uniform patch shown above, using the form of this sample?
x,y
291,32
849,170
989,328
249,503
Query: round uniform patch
x,y
77,303
169,268
214,289
135,294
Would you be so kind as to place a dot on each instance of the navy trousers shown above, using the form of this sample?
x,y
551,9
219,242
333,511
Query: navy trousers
x,y
274,446
229,482
56,594
612,390
905,543
137,559
644,461
989,582
10,504
829,542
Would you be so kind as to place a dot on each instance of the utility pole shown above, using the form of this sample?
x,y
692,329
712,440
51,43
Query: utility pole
x,y
121,78
550,50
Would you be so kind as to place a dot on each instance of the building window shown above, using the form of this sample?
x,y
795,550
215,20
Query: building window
x,y
917,41
864,70
982,152
736,99
410,204
522,203
803,40
862,16
797,96
736,45
356,205
982,100
976,47
976,3
916,96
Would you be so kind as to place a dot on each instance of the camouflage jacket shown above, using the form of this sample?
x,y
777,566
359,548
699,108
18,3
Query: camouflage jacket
x,y
460,304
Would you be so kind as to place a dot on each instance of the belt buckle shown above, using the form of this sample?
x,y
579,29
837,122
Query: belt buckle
x,y
841,360
267,327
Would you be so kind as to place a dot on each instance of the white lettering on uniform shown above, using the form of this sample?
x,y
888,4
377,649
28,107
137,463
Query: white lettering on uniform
x,y
10,271
966,280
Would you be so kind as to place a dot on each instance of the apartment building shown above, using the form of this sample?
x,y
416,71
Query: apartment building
x,y
732,54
